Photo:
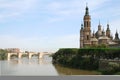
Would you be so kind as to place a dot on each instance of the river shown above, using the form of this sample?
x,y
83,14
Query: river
x,y
37,67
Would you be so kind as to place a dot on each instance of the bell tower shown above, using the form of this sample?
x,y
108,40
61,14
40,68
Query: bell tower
x,y
87,28
108,31
116,36
81,36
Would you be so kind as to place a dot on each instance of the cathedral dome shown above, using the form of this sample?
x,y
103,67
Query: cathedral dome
x,y
98,33
103,37
112,43
94,39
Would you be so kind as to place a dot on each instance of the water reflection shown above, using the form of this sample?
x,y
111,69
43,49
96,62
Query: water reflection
x,y
28,67
37,67
68,71
0,68
33,61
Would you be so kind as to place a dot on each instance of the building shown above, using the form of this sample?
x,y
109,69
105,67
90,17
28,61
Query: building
x,y
87,38
13,50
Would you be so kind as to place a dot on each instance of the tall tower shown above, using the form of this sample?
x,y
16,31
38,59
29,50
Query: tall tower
x,y
87,28
81,36
108,31
116,36
99,32
99,27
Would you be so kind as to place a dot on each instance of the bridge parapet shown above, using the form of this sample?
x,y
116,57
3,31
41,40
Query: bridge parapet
x,y
40,54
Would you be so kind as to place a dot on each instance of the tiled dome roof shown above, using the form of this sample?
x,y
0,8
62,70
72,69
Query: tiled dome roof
x,y
94,39
99,33
103,37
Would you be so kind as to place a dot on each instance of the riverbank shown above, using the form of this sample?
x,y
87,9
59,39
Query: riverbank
x,y
88,59
3,54
64,70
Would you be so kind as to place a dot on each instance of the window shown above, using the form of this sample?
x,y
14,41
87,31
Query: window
x,y
87,37
87,24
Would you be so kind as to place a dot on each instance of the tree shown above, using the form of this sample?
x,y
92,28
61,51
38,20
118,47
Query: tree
x,y
3,54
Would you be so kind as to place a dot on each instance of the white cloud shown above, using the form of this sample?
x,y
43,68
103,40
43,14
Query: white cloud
x,y
72,6
66,41
114,25
54,5
63,9
54,19
71,9
40,44
14,7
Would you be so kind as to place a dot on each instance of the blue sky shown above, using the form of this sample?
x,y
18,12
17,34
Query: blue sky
x,y
47,25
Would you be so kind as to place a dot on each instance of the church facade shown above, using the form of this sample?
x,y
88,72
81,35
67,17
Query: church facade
x,y
89,38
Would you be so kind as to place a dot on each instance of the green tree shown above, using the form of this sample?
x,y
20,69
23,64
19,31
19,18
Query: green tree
x,y
3,54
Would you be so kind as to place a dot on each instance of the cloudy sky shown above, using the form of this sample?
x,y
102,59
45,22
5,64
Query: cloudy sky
x,y
47,25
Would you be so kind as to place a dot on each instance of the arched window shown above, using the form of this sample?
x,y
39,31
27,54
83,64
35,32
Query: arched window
x,y
84,23
87,37
87,24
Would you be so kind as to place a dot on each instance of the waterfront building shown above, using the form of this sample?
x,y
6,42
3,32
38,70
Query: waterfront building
x,y
13,50
87,38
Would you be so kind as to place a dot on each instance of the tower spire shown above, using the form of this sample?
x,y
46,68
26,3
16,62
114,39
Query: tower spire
x,y
107,23
103,32
116,31
93,33
108,29
99,22
116,36
87,9
87,28
99,26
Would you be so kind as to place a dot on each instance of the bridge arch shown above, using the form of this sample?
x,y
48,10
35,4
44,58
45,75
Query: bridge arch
x,y
10,54
44,54
19,55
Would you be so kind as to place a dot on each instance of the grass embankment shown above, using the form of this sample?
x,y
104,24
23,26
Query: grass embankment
x,y
88,58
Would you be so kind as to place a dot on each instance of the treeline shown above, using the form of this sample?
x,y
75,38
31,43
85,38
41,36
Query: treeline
x,y
3,54
85,58
100,53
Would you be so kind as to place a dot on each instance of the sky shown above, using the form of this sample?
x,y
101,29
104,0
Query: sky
x,y
47,25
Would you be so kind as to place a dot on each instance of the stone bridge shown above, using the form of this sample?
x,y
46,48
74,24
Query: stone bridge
x,y
30,54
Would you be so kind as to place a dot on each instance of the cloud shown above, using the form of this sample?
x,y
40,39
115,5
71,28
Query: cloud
x,y
41,43
65,41
67,12
72,6
114,25
62,10
14,7
54,19
71,9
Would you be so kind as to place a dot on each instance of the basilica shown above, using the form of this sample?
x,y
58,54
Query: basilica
x,y
101,36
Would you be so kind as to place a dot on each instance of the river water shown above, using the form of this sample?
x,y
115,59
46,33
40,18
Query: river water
x,y
37,67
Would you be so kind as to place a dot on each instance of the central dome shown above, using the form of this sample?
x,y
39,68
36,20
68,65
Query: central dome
x,y
98,33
